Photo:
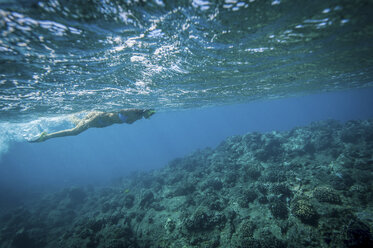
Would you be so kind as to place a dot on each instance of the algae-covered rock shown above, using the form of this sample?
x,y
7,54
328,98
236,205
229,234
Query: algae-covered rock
x,y
243,237
279,209
146,199
274,175
272,242
252,172
271,149
263,200
358,235
170,225
203,219
281,190
214,184
184,189
230,179
248,196
129,200
216,203
22,239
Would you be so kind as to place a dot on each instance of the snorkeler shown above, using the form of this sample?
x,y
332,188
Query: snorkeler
x,y
99,119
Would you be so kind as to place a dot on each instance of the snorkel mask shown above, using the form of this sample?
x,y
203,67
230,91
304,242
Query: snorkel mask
x,y
148,113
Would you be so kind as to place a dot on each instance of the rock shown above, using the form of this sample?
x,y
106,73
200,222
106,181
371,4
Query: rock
x,y
23,240
279,210
170,225
147,199
214,184
248,196
129,200
274,175
358,235
281,190
184,189
243,236
252,172
271,149
203,220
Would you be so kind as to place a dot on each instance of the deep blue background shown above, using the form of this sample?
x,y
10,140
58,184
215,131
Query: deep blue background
x,y
100,155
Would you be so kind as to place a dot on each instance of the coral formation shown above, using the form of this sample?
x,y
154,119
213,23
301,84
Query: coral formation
x,y
326,194
304,210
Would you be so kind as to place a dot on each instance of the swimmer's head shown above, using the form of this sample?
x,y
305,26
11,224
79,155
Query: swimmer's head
x,y
149,112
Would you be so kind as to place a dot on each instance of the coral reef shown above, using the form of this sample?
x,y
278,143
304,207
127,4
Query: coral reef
x,y
326,194
304,210
307,187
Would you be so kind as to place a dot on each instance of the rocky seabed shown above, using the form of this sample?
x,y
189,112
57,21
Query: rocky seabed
x,y
308,187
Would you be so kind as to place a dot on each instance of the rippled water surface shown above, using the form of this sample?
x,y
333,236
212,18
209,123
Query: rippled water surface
x,y
61,57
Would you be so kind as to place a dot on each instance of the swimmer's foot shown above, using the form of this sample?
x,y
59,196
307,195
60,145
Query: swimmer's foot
x,y
42,137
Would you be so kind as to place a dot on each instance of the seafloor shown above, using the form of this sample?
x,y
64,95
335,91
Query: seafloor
x,y
308,187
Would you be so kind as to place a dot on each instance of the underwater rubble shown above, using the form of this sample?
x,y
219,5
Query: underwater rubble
x,y
308,187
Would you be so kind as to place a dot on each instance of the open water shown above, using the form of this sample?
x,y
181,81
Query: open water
x,y
210,69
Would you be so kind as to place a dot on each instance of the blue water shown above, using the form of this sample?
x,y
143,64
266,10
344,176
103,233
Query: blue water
x,y
100,156
210,69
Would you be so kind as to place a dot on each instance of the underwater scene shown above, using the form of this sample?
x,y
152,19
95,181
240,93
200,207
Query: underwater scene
x,y
186,123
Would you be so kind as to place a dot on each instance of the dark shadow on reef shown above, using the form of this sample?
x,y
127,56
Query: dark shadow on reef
x,y
308,187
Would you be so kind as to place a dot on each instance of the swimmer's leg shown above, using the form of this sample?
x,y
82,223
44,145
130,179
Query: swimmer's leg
x,y
84,116
68,132
75,120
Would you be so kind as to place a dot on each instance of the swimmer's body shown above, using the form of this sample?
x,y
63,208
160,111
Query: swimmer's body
x,y
99,119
